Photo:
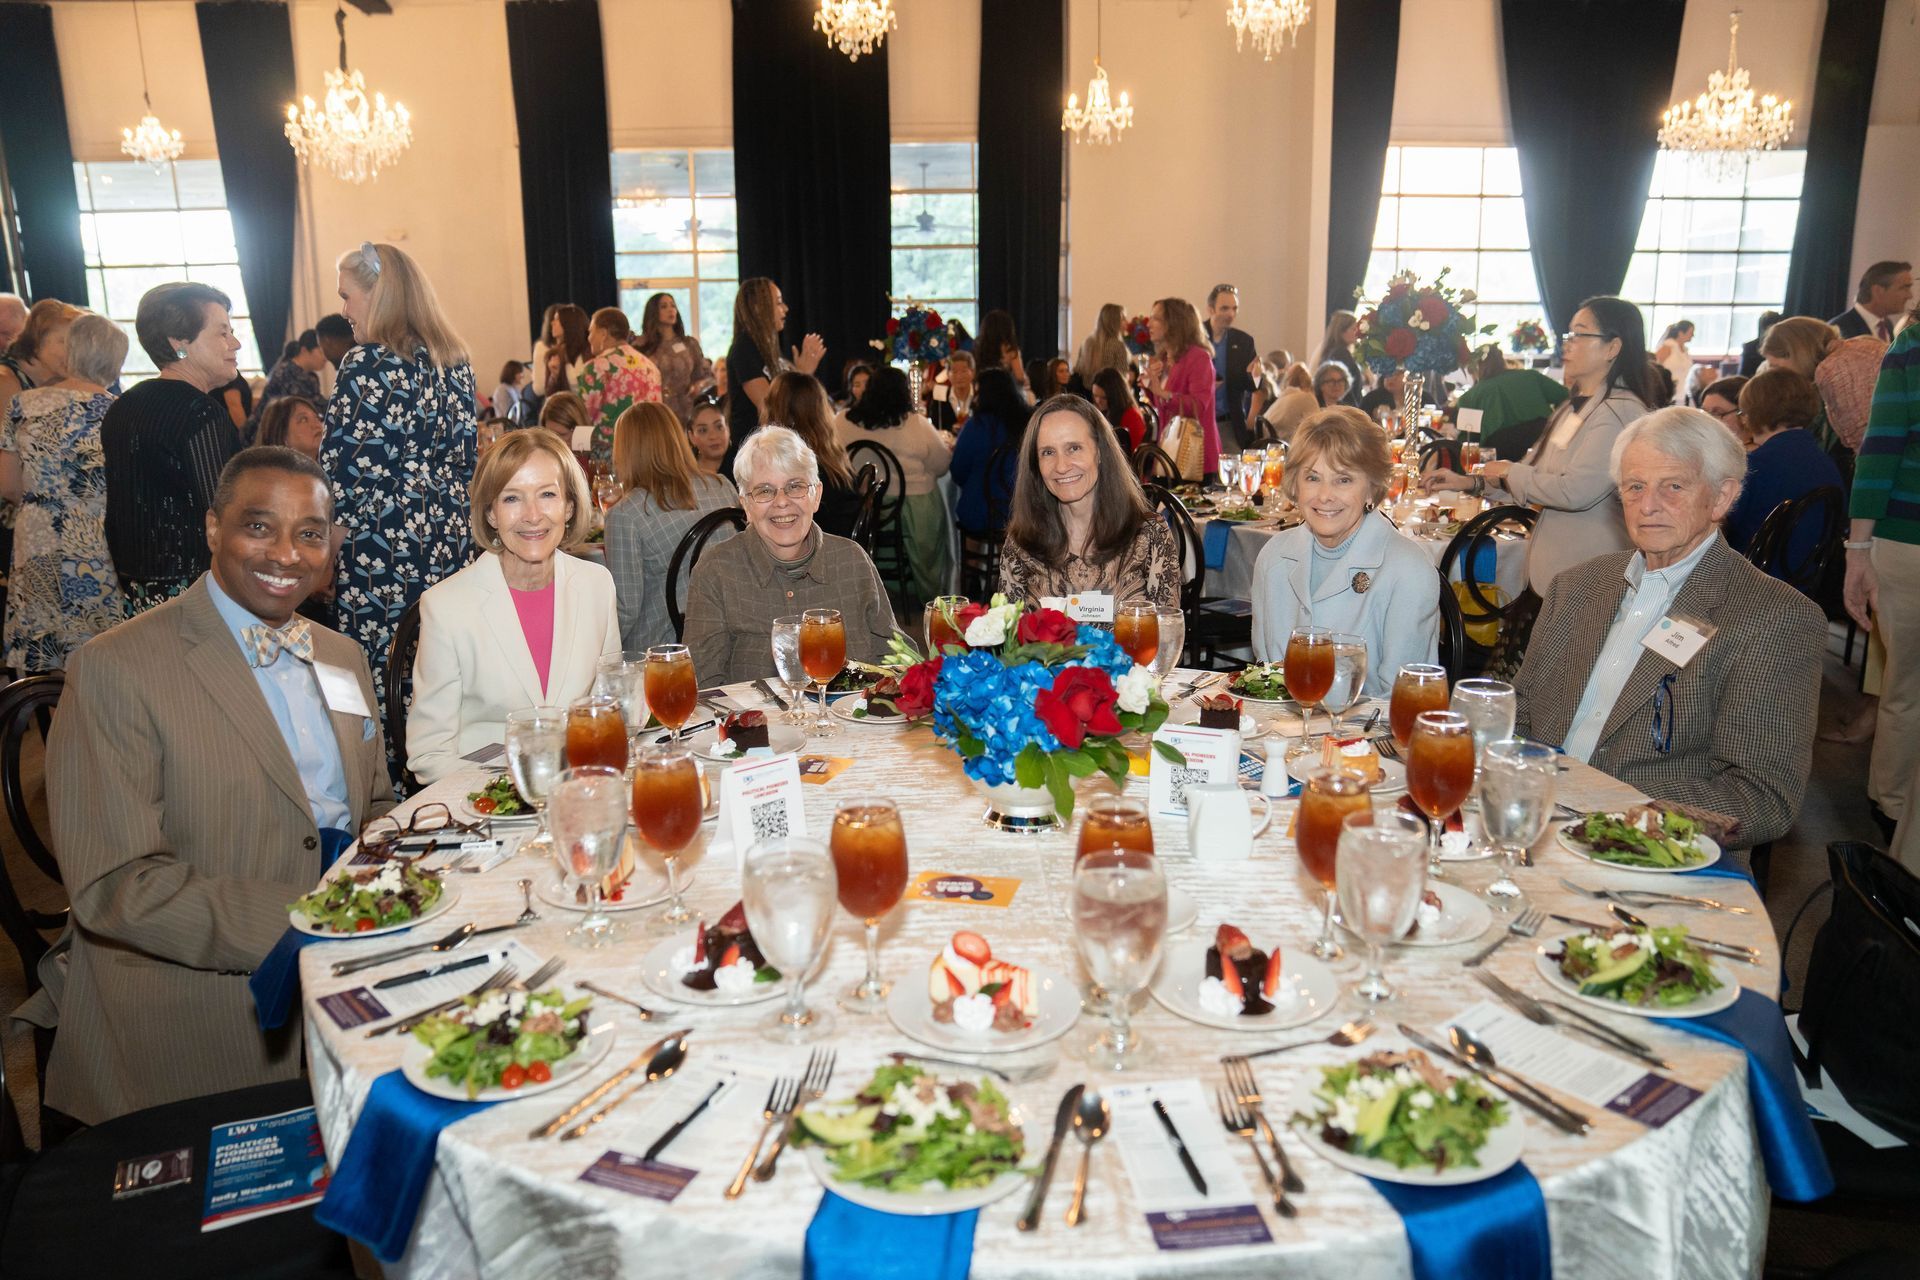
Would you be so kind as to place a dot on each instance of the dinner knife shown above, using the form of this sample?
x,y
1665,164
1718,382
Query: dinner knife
x,y
771,696
1062,1121
669,735
1561,1118
1180,1147
607,1086
1538,1014
665,1140
431,971
1712,946
345,967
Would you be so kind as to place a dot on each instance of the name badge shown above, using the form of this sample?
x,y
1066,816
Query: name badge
x,y
940,394
679,346
341,690
1677,638
583,439
1088,606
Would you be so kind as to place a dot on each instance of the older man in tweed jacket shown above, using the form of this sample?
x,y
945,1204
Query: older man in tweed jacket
x,y
1727,727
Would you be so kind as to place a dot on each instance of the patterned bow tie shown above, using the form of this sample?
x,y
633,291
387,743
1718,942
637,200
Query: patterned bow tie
x,y
264,643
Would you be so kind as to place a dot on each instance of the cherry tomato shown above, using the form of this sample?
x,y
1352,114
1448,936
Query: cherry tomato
x,y
539,1073
513,1077
485,804
362,926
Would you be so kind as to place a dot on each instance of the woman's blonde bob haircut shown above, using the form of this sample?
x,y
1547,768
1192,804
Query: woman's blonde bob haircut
x,y
502,460
1800,343
403,313
1344,439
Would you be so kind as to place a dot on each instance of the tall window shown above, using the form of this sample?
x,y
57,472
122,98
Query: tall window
x,y
1458,207
143,227
675,231
936,221
1715,250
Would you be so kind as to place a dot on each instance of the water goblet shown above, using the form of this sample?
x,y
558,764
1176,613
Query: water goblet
x,y
787,665
1120,924
536,756
1173,638
1489,707
788,887
621,674
1517,779
1381,879
589,805
1349,684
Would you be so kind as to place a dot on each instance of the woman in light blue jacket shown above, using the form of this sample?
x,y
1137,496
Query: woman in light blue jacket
x,y
1345,567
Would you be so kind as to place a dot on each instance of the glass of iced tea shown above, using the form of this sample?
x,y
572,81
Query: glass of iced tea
x,y
1136,628
1470,455
823,652
668,803
1273,468
869,849
1439,772
671,689
1326,798
1309,674
596,733
1114,822
1418,687
941,628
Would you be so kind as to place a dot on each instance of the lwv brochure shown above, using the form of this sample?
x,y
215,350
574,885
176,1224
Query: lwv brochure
x,y
258,1167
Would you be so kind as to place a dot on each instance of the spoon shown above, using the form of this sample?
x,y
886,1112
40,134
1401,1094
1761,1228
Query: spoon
x,y
1091,1120
1480,1055
1732,951
665,1061
527,915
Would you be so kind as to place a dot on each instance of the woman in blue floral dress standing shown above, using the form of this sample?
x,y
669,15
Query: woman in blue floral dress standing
x,y
399,448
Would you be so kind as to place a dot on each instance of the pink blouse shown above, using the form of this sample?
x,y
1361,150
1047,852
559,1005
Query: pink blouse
x,y
1190,395
536,624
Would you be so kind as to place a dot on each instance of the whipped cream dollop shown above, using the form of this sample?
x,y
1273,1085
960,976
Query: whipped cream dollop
x,y
734,978
1217,1000
973,1013
1426,915
683,961
726,747
1455,843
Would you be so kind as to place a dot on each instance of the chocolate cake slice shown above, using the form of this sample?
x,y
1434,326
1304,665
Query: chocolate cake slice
x,y
746,730
1220,711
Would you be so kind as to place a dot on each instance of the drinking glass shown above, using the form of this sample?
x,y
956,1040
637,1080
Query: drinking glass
x,y
589,823
1470,456
606,491
823,652
1396,483
536,755
1273,467
1439,772
1136,628
786,663
1309,674
1327,798
1488,706
622,675
1120,922
1418,687
672,690
941,629
1111,821
1381,880
1172,621
788,888
1252,464
596,733
1229,471
870,861
1349,678
1516,801
668,802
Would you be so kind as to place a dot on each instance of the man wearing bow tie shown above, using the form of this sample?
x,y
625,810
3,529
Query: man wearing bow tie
x,y
207,759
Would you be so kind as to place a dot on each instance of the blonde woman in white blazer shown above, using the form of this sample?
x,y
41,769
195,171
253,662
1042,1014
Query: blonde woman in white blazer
x,y
526,623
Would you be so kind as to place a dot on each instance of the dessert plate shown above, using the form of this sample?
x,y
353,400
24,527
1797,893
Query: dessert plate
x,y
645,888
1464,916
1308,989
781,738
911,1011
1393,773
661,977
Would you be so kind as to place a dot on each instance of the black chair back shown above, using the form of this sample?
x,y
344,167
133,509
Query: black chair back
x,y
1186,540
399,674
687,554
868,488
1480,532
889,549
1441,452
1453,632
1153,465
1771,550
26,704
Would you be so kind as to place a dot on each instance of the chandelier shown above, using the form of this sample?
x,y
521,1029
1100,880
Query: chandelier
x,y
855,26
1724,124
1268,21
150,143
1100,120
349,138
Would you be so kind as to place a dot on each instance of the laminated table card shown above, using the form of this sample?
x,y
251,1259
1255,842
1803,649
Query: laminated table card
x,y
263,1166
1179,1214
1213,755
369,1003
760,800
1576,1067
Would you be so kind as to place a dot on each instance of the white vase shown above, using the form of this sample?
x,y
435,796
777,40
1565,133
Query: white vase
x,y
1018,810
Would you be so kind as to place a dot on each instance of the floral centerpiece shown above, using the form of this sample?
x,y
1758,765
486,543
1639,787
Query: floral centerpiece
x,y
1031,699
1419,328
1528,335
917,335
1138,336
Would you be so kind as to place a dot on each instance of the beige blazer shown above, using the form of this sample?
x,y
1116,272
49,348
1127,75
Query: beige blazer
x,y
473,666
1571,483
183,832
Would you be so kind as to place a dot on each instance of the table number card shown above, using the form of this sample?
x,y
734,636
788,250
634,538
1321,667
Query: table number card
x,y
1467,423
760,800
1213,755
1179,1215
964,890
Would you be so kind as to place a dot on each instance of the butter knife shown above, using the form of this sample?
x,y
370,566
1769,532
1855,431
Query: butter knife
x,y
607,1086
1538,1014
1520,1091
767,690
1062,1120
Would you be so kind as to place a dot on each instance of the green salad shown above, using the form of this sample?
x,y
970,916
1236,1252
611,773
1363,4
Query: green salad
x,y
1237,513
503,1038
1640,837
395,892
908,1127
499,798
1399,1107
1266,681
1655,968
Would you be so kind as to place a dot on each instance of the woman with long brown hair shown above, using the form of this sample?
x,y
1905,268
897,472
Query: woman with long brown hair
x,y
1180,375
666,494
567,349
684,368
754,359
1336,345
1104,347
798,401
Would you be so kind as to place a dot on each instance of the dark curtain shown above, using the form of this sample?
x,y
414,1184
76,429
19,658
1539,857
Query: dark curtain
x,y
247,46
1820,275
33,125
810,159
1022,53
566,174
1586,83
1366,52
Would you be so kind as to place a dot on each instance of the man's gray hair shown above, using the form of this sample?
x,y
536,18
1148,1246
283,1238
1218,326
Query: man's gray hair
x,y
1692,436
96,349
782,451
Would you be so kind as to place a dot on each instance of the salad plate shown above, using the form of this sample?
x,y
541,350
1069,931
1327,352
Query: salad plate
x,y
450,1043
1263,683
362,904
910,1009
1676,846
1495,1136
1629,977
1308,989
501,792
661,976
781,739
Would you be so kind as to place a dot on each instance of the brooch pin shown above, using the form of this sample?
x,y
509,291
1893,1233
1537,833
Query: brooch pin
x,y
1361,581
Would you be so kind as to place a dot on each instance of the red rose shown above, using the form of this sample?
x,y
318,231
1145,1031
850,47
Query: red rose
x,y
1399,289
893,327
1046,626
1435,309
1400,343
933,320
964,616
1080,702
916,687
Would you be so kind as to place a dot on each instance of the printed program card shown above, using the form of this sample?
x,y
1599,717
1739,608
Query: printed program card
x,y
263,1166
360,1005
1178,1214
1576,1066
648,1179
760,800
963,890
1213,755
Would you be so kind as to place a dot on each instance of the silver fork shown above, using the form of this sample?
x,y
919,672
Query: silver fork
x,y
812,1089
541,976
1387,747
1246,1089
1239,1122
1524,925
1347,1036
493,982
780,1103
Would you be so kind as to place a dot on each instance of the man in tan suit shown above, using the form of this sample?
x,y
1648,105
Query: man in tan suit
x,y
1612,674
197,755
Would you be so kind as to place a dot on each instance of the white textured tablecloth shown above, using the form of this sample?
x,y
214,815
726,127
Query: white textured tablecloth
x,y
1686,1201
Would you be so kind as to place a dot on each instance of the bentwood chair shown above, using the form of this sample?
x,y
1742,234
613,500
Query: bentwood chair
x,y
1153,465
1213,622
868,488
1472,552
980,548
687,554
889,550
399,681
26,704
1771,550
1453,632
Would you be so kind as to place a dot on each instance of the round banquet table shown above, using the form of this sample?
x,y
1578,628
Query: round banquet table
x,y
1685,1200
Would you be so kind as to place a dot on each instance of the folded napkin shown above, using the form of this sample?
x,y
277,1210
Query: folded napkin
x,y
1490,1230
375,1193
276,980
1215,540
1796,1165
1725,871
847,1242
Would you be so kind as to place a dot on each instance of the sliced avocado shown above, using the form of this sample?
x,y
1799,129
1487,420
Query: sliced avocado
x,y
1375,1115
1616,971
837,1130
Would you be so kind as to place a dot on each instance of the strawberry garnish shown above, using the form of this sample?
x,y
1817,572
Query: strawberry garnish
x,y
1232,943
959,988
735,921
730,956
972,947
1230,979
699,943
1270,986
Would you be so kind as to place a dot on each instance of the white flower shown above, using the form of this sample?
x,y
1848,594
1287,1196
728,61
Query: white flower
x,y
987,630
1135,690
1418,320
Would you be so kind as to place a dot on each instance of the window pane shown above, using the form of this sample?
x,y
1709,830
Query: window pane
x,y
1440,170
1695,277
1390,180
81,189
1381,265
648,175
934,273
1428,222
1502,172
227,280
1649,237
1746,325
653,225
1503,224
243,330
97,295
1762,278
1776,174
89,241
131,186
719,266
713,173
1507,277
1713,224
936,165
933,219
1386,228
654,266
1768,224
1640,276
138,239
1669,175
1710,332
1673,224
716,317
719,226
124,287
201,184
208,235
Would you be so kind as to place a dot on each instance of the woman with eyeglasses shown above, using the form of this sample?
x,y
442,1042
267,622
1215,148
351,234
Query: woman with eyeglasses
x,y
666,494
1722,400
1332,385
782,564
1566,473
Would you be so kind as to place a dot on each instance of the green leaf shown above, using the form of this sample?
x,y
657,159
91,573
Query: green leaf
x,y
1080,764
1029,767
1167,751
1156,715
1060,783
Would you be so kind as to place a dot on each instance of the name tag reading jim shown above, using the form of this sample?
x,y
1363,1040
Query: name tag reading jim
x,y
1677,637
341,690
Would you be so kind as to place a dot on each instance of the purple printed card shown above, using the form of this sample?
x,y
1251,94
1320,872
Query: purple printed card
x,y
648,1179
